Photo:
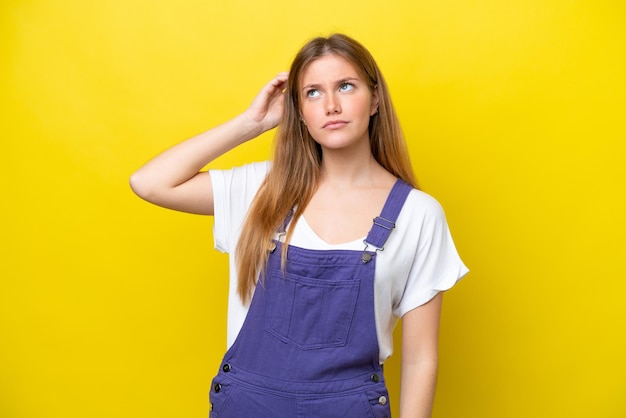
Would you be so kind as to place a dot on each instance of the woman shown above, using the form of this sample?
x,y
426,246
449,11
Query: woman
x,y
316,286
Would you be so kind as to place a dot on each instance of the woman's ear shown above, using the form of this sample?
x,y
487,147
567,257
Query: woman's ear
x,y
374,106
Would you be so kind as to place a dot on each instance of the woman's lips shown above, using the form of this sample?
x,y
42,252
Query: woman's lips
x,y
335,124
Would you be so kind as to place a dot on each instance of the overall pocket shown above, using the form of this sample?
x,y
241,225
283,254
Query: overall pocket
x,y
379,401
311,313
219,397
352,405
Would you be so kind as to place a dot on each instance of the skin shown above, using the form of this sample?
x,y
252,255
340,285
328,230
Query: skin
x,y
336,107
420,335
173,179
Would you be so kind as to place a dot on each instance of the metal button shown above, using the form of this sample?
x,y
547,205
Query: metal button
x,y
217,387
375,378
226,367
382,400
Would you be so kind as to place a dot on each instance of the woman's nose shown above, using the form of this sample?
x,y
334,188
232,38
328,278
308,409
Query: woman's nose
x,y
332,105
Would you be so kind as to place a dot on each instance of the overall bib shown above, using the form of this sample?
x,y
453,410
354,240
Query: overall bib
x,y
308,346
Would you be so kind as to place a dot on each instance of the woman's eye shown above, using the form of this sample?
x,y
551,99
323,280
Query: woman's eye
x,y
346,87
312,93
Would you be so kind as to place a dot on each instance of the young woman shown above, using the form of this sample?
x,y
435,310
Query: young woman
x,y
316,285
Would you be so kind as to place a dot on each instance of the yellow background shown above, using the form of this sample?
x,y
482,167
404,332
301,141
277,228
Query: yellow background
x,y
514,110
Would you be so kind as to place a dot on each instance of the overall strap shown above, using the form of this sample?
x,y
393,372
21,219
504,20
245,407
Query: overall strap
x,y
282,230
386,221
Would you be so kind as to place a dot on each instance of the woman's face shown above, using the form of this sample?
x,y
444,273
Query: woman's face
x,y
336,103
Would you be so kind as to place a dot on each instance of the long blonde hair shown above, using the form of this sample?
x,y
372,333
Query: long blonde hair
x,y
294,175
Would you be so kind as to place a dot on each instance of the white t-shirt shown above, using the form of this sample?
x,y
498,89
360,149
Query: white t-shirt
x,y
419,259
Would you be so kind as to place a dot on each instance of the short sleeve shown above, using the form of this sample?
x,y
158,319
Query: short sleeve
x,y
233,192
436,263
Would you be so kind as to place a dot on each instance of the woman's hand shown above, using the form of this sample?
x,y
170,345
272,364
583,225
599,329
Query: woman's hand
x,y
266,109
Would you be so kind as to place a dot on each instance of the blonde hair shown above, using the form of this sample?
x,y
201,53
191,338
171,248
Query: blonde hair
x,y
294,175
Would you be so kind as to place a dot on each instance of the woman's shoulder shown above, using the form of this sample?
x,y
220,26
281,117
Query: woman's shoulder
x,y
255,166
257,169
421,205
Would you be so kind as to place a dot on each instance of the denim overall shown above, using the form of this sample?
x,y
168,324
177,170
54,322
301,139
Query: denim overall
x,y
308,346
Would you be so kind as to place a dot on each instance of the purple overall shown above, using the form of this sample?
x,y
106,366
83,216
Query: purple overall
x,y
308,346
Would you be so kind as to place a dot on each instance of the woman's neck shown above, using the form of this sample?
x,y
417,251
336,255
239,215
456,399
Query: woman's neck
x,y
351,168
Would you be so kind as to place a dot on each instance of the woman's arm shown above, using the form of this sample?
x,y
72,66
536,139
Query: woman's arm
x,y
420,334
173,179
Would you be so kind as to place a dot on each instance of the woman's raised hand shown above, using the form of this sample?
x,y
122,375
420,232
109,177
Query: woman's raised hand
x,y
267,107
173,179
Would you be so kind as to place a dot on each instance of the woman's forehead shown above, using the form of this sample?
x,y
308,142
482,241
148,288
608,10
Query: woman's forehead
x,y
331,67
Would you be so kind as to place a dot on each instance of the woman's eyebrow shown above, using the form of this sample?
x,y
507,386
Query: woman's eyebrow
x,y
311,86
336,83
